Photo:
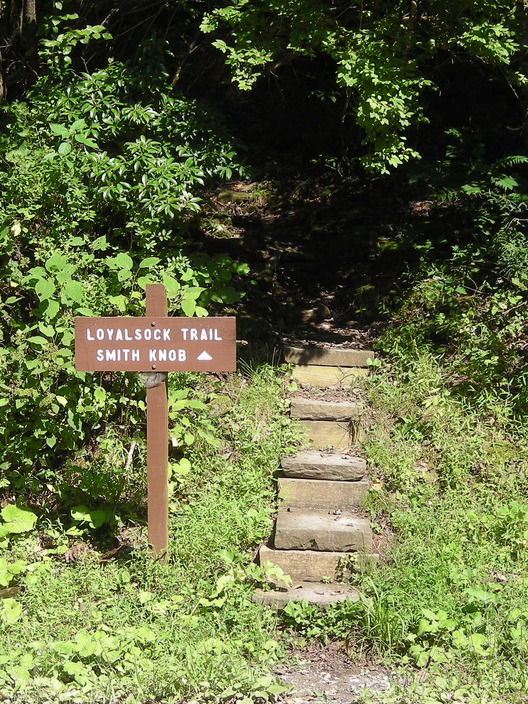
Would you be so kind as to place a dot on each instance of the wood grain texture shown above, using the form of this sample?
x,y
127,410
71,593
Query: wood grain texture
x,y
157,443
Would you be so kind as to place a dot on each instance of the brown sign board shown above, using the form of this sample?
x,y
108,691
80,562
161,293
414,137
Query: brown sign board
x,y
158,344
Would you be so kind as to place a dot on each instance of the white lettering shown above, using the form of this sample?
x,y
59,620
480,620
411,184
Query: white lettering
x,y
162,355
99,356
194,334
217,336
182,356
135,355
184,332
172,355
158,334
111,356
152,356
203,334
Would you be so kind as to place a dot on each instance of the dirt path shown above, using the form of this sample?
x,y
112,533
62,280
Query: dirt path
x,y
325,674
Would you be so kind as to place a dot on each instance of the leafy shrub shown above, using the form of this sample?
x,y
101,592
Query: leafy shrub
x,y
101,175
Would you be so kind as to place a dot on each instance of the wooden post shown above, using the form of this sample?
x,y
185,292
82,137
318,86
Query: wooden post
x,y
159,345
157,441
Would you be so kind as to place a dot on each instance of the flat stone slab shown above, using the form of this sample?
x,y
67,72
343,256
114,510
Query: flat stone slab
x,y
313,592
308,409
320,494
322,377
312,464
298,529
306,565
330,433
328,356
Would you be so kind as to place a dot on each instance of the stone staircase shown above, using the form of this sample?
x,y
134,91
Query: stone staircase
x,y
320,534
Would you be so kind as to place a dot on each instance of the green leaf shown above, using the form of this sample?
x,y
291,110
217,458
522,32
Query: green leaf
x,y
188,306
56,262
143,281
44,288
5,574
94,517
508,183
60,130
81,513
52,309
123,274
38,340
193,292
86,141
100,516
74,668
148,262
100,243
64,148
47,330
10,611
182,468
78,125
18,520
120,302
123,261
73,290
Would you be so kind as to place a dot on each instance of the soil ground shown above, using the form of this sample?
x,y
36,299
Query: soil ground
x,y
324,674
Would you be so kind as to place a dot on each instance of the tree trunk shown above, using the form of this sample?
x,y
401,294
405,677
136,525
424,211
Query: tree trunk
x,y
18,40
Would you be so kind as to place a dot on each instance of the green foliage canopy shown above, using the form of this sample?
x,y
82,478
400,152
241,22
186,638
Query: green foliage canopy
x,y
383,55
101,176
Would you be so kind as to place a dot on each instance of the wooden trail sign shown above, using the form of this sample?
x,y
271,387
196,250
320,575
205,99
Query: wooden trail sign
x,y
155,344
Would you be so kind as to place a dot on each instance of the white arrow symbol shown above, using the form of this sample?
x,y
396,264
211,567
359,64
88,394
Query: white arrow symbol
x,y
204,357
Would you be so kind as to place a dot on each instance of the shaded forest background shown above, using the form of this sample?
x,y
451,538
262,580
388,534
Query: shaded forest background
x,y
353,168
261,158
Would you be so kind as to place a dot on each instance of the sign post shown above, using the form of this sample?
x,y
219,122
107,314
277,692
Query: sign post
x,y
157,441
156,344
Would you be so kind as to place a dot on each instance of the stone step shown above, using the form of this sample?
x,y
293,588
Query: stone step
x,y
321,494
309,565
331,433
312,409
312,464
312,592
328,356
322,377
298,529
314,565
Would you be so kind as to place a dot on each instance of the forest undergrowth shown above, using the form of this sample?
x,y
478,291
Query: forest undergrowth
x,y
81,623
132,153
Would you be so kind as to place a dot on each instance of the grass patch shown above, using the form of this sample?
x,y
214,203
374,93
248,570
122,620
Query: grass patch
x,y
452,484
447,605
135,630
